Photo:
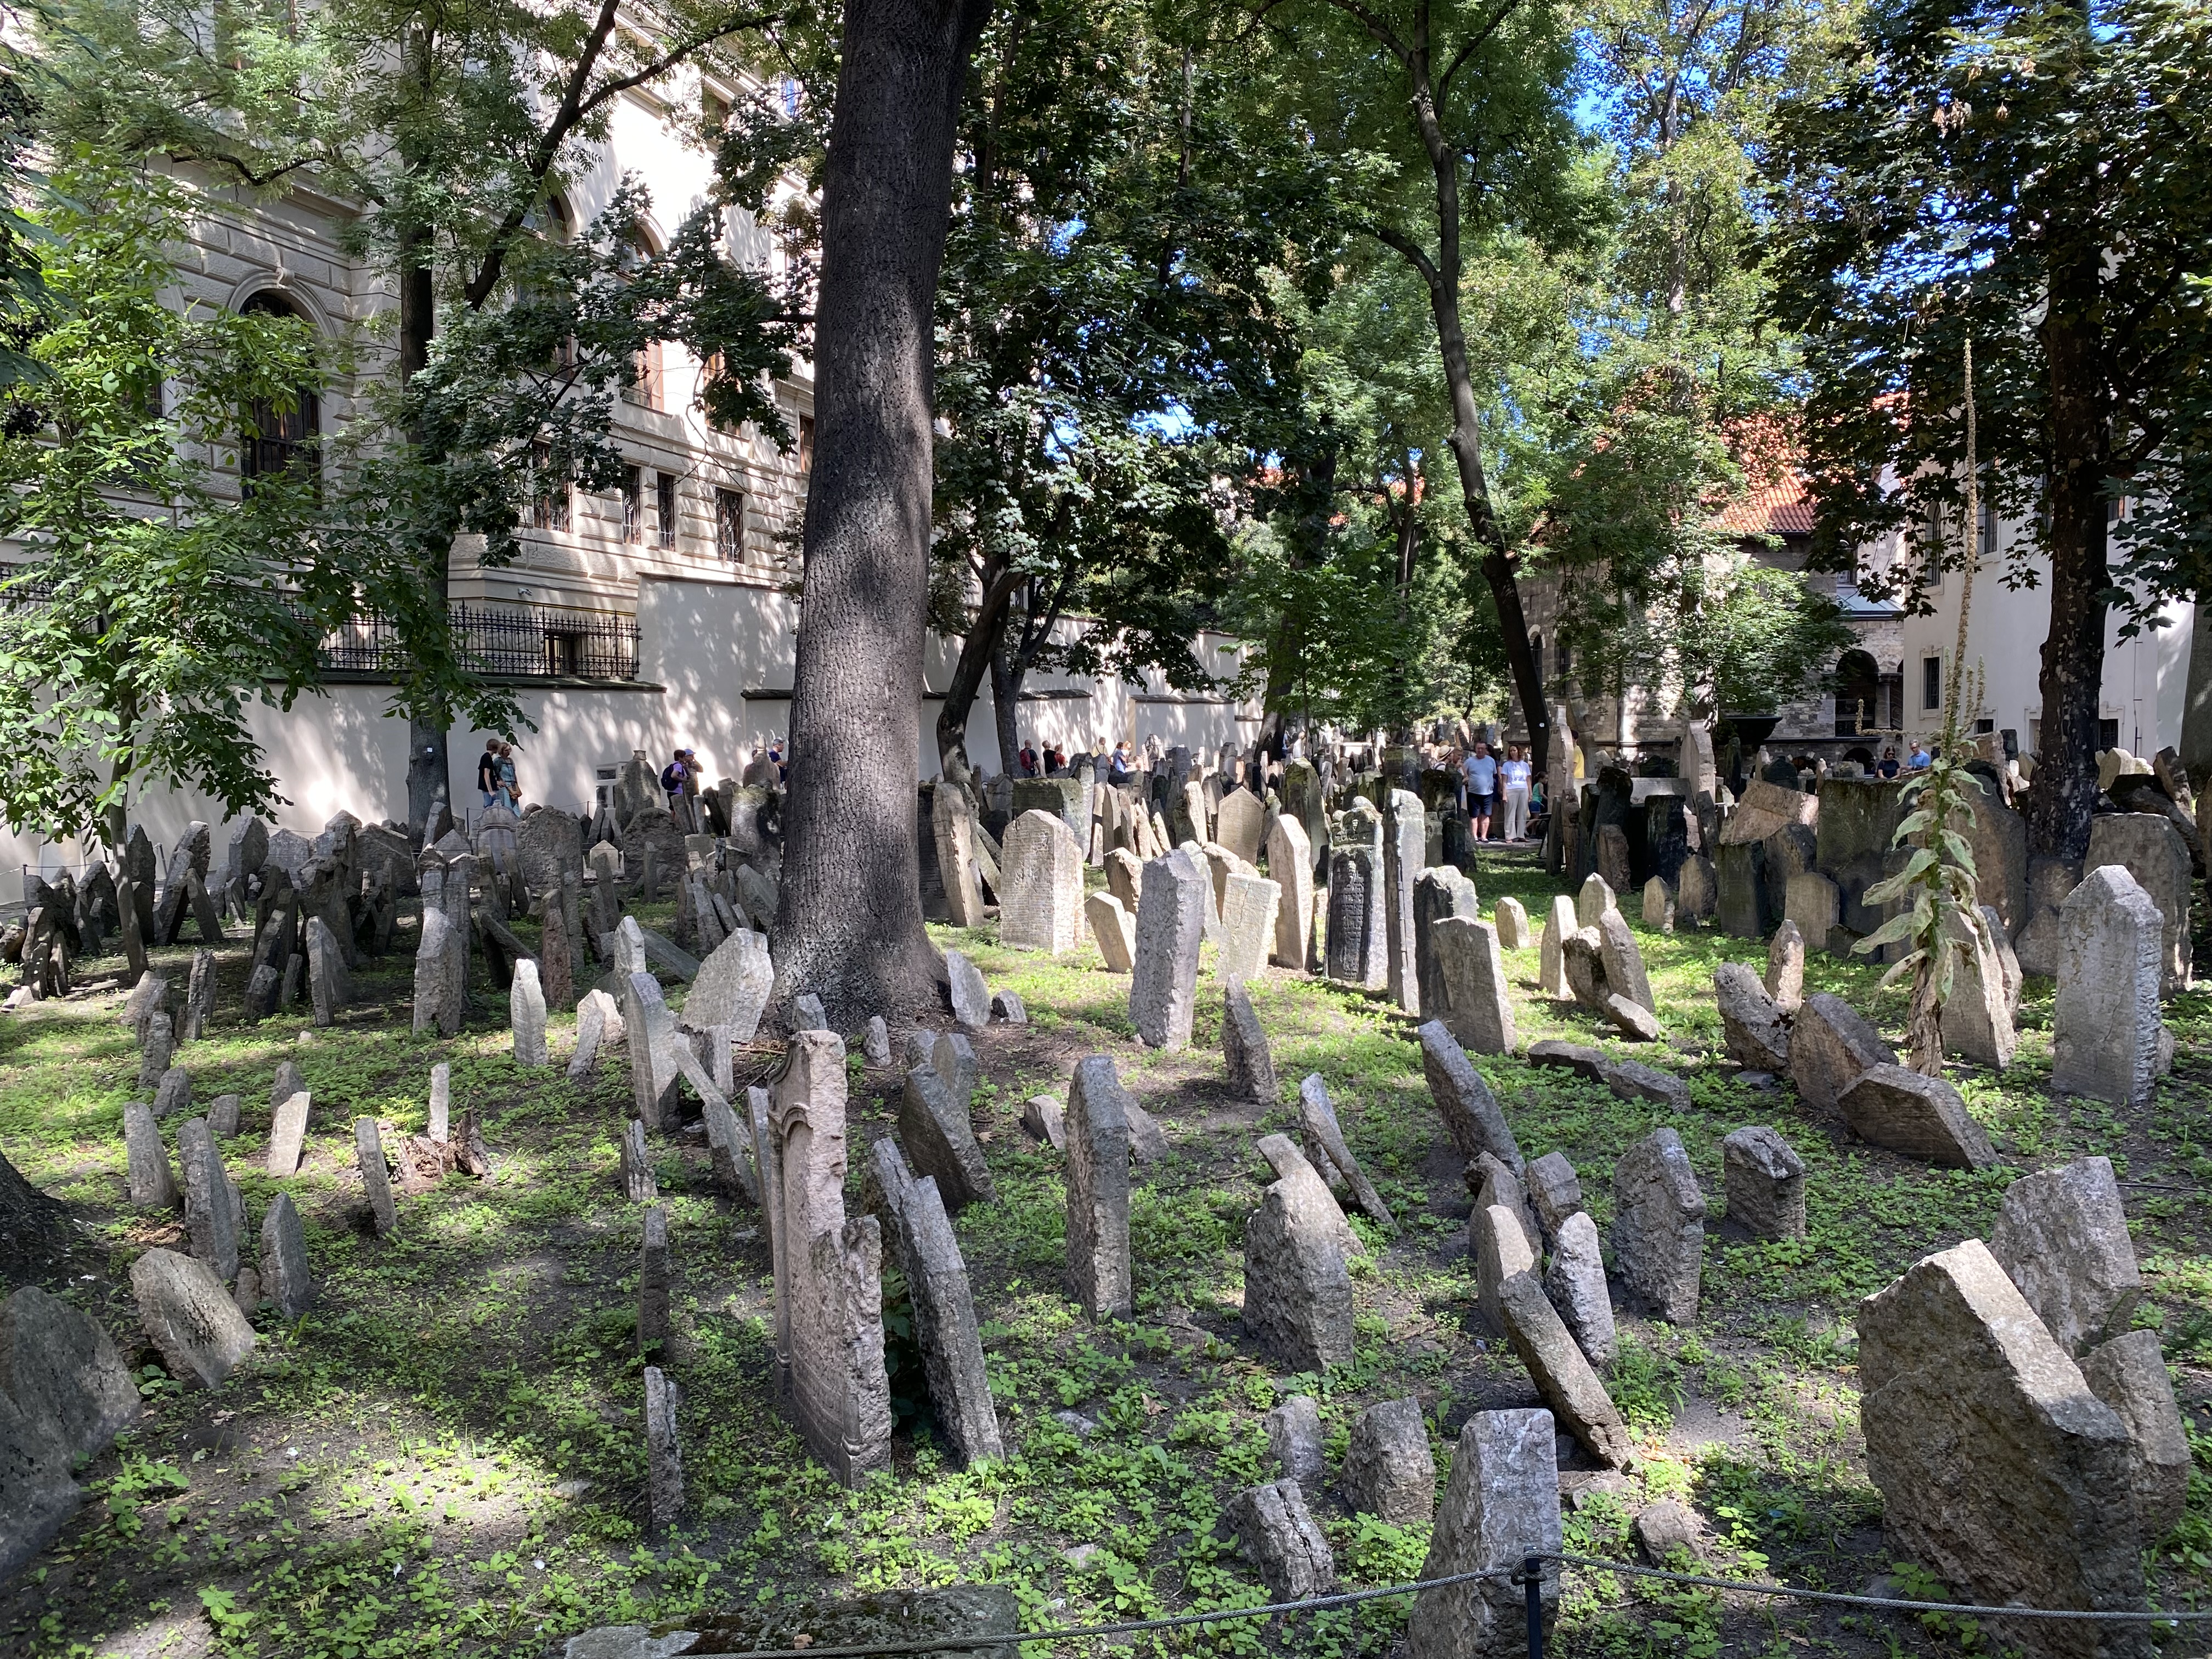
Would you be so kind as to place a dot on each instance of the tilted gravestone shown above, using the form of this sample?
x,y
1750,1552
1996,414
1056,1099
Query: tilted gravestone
x,y
2104,1023
1097,1130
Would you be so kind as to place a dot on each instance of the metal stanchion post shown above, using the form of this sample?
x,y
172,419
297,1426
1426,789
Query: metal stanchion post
x,y
1532,1590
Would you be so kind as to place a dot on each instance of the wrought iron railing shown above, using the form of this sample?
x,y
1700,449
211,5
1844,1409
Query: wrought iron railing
x,y
530,642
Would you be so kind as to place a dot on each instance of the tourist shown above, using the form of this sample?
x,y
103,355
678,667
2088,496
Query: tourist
x,y
1515,774
488,772
1917,761
672,784
1055,761
775,758
1027,757
510,786
1888,766
1122,767
1479,769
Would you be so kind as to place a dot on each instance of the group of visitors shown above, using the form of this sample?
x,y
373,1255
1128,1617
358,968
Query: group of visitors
x,y
1049,763
1498,791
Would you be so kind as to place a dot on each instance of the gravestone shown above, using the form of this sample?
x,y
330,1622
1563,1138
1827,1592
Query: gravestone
x,y
1921,1117
1741,903
1696,890
2000,1471
199,999
1170,924
1501,1248
208,1217
438,965
2152,851
953,833
1752,1030
599,1025
190,1318
2105,1019
1290,865
526,1015
807,1013
1469,1110
2061,1237
1811,902
1555,1192
1240,823
1466,988
1764,1181
1785,967
1041,892
649,1036
1623,961
1560,1370
1356,951
1595,898
1831,1046
2128,1374
375,1175
1249,906
653,1328
664,1452
934,1128
639,1184
1291,1165
288,1135
1610,844
1098,1129
1388,1470
1294,1439
1575,1283
1501,1504
1114,931
1560,924
1511,917
1658,905
732,988
1659,1226
1125,875
1328,1152
944,1326
175,1096
1297,1292
154,1050
967,994
828,1273
1245,1057
285,1280
1284,1543
152,1185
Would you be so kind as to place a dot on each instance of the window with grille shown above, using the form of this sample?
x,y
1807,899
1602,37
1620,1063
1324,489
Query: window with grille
x,y
1931,682
643,389
664,507
277,442
632,500
806,445
730,525
549,496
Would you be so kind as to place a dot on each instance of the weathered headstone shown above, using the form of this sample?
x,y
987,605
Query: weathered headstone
x,y
288,1135
1593,901
732,988
1659,1226
1560,1370
1511,917
209,1217
1469,1110
1249,907
1554,1191
438,964
285,1280
2128,1374
1115,930
1438,892
1245,1056
1290,865
1785,967
2152,851
1623,961
1326,1149
2105,1020
1575,1283
199,999
639,1184
663,1451
599,1025
1125,877
154,1050
1357,946
970,996
1041,892
1659,905
1501,1504
1752,1030
175,1096
190,1318
376,1174
1894,1107
934,1128
526,1015
330,986
1470,994
944,1317
1286,1545
1559,926
1696,890
2000,1471
1170,925
1297,1292
830,1340
2061,1237
1294,1438
1388,1470
1831,1046
1764,1181
1098,1129
1501,1248
650,1039
1812,903
1584,953
152,1185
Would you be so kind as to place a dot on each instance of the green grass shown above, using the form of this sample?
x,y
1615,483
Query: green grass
x,y
446,1456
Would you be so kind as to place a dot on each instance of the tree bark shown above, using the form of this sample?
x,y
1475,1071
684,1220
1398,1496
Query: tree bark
x,y
974,662
1006,694
848,925
2072,672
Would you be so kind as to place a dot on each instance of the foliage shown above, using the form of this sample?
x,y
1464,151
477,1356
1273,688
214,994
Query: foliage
x,y
1116,337
2025,177
157,606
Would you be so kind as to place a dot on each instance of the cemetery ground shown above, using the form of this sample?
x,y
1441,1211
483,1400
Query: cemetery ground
x,y
446,1456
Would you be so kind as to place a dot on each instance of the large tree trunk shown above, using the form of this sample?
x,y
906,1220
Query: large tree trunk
x,y
974,663
2072,672
848,927
429,773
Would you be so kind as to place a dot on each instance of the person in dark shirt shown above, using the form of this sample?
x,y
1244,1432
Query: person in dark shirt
x,y
1888,767
488,772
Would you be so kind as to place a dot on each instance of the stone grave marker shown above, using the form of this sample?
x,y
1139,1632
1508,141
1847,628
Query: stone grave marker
x,y
1097,1130
1659,1226
1171,921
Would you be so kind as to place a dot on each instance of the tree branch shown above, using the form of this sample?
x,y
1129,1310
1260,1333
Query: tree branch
x,y
1473,44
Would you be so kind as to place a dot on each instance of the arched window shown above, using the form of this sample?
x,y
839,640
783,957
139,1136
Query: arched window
x,y
1858,694
276,442
643,387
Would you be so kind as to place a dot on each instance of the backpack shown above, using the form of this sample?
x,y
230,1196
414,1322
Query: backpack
x,y
671,779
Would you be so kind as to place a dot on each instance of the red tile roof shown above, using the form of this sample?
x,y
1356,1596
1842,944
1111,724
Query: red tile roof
x,y
1779,506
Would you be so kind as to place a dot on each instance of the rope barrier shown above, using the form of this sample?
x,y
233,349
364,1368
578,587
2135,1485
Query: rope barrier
x,y
1517,1575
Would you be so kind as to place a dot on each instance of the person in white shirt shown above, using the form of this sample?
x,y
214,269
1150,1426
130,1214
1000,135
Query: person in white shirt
x,y
1515,774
